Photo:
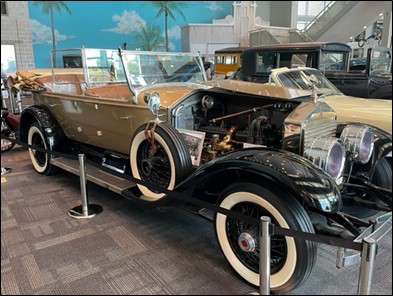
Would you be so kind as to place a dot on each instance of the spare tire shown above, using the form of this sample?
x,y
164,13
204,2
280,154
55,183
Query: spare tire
x,y
161,158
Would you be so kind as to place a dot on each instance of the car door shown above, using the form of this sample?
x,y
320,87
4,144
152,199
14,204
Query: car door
x,y
352,83
106,123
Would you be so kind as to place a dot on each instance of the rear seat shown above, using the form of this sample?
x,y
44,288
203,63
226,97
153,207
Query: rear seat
x,y
63,83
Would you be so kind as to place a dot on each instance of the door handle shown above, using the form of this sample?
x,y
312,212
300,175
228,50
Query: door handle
x,y
125,117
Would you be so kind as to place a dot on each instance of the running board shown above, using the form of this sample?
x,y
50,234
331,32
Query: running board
x,y
94,174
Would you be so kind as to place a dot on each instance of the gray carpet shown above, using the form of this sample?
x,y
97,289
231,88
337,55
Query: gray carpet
x,y
127,249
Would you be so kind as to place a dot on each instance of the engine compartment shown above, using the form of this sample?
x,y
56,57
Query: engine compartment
x,y
232,121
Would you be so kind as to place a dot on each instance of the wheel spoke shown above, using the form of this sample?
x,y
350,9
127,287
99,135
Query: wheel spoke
x,y
153,168
236,227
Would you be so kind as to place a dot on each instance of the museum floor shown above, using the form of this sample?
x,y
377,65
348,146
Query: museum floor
x,y
129,250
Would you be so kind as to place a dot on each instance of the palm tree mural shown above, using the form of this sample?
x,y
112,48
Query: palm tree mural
x,y
168,8
149,38
47,7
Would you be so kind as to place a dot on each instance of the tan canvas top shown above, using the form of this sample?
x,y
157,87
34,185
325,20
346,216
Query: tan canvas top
x,y
26,79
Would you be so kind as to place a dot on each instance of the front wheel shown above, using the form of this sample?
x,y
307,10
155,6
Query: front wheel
x,y
291,259
382,177
159,156
39,159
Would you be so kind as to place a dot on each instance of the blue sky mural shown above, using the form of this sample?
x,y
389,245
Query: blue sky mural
x,y
108,24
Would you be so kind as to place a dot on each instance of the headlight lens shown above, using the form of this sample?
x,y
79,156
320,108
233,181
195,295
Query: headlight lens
x,y
328,154
359,141
154,103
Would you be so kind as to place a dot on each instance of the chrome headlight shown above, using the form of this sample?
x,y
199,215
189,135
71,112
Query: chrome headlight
x,y
359,141
328,154
154,103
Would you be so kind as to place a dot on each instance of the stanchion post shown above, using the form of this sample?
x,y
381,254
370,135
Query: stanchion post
x,y
12,100
264,257
85,210
367,265
82,173
19,102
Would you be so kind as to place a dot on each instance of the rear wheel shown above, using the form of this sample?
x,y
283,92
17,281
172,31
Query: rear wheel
x,y
160,158
39,159
291,259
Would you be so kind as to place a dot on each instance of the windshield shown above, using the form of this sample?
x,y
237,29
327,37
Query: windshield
x,y
102,66
137,68
305,79
333,61
147,68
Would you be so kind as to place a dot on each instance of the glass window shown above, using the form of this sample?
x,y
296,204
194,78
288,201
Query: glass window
x,y
299,60
381,60
307,10
3,8
8,60
265,61
332,61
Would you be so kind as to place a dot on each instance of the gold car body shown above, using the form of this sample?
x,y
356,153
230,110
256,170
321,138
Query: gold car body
x,y
106,121
374,112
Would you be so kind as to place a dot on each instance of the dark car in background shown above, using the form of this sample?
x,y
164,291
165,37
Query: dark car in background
x,y
367,77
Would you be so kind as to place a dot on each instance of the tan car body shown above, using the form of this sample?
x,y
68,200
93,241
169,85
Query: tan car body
x,y
97,115
100,121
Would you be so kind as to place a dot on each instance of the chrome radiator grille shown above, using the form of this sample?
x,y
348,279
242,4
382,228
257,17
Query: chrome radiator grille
x,y
310,120
324,127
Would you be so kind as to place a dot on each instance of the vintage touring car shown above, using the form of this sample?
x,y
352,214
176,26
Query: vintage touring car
x,y
245,148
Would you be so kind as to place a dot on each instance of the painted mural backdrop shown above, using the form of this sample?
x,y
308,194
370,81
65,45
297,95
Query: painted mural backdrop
x,y
111,24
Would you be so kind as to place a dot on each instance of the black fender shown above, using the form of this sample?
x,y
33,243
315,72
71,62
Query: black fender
x,y
384,93
380,85
382,148
277,170
382,143
41,115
